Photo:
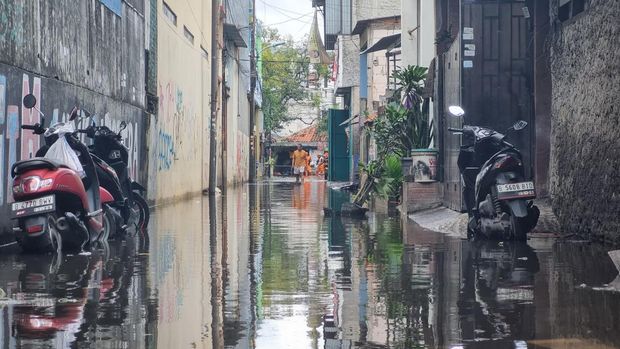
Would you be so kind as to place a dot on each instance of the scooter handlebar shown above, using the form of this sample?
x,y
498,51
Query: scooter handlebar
x,y
29,127
452,129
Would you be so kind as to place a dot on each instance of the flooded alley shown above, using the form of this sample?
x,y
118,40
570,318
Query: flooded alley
x,y
261,267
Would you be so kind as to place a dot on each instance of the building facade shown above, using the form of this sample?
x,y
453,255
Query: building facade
x,y
179,135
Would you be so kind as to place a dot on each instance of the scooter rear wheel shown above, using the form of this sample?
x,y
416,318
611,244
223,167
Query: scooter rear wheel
x,y
143,208
49,241
518,228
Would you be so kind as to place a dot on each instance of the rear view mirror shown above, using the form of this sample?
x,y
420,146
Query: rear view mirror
x,y
519,125
74,113
456,110
30,101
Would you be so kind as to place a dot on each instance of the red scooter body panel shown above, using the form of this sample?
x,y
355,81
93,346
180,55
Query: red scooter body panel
x,y
64,180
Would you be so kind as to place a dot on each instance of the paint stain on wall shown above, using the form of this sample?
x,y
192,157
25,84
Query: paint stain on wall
x,y
12,134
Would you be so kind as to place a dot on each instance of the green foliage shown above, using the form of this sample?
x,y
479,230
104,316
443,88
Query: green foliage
x,y
386,176
403,125
284,73
410,80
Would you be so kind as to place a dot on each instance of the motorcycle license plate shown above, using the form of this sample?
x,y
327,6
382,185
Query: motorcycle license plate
x,y
522,190
33,207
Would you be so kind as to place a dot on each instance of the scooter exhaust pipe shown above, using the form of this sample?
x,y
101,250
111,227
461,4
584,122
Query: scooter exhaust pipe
x,y
62,225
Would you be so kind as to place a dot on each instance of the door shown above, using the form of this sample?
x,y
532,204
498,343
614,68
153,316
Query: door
x,y
338,167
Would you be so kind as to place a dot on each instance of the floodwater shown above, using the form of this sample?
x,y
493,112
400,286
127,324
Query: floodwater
x,y
260,267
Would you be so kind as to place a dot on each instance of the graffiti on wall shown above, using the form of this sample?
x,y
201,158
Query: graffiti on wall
x,y
176,127
17,144
165,151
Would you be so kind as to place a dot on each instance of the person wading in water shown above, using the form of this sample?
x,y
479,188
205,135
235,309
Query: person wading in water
x,y
299,163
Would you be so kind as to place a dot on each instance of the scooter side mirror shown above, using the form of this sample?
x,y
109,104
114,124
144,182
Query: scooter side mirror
x,y
123,126
519,125
29,101
456,110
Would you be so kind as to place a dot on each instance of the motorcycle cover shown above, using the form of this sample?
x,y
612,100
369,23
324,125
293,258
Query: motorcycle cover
x,y
62,152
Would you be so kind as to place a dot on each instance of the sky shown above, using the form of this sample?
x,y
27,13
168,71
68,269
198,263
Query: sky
x,y
290,17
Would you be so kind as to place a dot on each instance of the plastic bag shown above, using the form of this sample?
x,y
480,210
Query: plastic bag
x,y
62,152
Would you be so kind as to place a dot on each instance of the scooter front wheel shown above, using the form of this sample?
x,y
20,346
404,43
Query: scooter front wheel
x,y
109,224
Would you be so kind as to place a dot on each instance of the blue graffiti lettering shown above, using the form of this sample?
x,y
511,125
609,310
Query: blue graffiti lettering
x,y
165,151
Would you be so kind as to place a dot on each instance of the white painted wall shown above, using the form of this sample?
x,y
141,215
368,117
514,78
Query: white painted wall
x,y
418,45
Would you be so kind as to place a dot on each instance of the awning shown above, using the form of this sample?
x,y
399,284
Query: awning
x,y
386,42
350,121
231,33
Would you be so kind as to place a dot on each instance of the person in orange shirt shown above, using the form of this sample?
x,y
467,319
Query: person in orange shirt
x,y
298,161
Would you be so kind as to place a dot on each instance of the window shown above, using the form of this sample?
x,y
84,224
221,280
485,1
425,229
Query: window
x,y
188,35
170,14
570,8
205,53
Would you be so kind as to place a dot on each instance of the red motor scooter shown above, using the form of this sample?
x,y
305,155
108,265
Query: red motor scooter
x,y
55,208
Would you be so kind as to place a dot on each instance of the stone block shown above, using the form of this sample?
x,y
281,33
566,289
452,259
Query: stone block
x,y
420,196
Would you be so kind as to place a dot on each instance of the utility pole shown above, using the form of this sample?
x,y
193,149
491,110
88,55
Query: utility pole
x,y
213,120
253,77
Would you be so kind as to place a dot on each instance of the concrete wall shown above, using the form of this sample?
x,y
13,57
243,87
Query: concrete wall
x,y
69,53
348,61
368,9
418,48
236,150
585,145
179,137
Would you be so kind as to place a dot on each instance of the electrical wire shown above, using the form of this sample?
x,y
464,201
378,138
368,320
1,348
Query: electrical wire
x,y
279,8
289,20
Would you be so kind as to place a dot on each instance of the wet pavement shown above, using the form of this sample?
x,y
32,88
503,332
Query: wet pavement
x,y
260,267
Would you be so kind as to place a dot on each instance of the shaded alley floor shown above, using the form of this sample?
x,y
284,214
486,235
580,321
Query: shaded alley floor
x,y
260,267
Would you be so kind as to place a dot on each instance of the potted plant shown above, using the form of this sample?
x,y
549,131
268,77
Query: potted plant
x,y
418,128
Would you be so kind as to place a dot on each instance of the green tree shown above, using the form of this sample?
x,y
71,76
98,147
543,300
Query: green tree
x,y
285,73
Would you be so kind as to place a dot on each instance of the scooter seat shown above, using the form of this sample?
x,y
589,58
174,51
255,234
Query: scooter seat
x,y
34,164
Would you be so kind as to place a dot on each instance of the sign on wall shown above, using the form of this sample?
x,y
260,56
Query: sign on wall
x,y
114,5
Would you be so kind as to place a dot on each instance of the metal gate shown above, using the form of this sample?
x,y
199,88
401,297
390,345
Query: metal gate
x,y
494,76
497,69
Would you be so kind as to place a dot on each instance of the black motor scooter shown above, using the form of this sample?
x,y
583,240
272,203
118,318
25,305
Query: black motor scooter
x,y
497,195
112,159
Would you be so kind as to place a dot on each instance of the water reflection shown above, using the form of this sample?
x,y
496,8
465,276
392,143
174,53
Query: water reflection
x,y
52,301
261,267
